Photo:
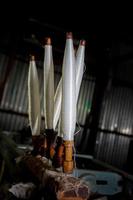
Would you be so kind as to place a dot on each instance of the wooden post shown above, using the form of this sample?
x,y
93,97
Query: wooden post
x,y
56,185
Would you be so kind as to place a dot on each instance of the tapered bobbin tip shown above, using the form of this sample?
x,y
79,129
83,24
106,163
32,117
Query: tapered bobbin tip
x,y
47,41
82,42
32,58
69,35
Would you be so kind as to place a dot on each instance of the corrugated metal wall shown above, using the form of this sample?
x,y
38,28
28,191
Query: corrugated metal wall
x,y
84,105
85,99
116,121
14,96
112,148
117,110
